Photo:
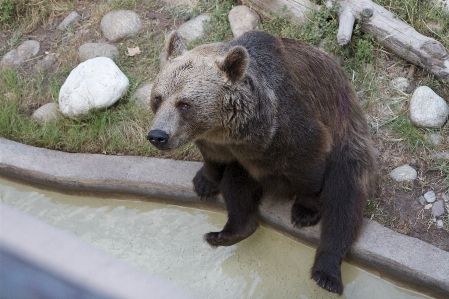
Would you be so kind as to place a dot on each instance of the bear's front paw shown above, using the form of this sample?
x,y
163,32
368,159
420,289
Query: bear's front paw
x,y
302,216
221,239
328,282
204,187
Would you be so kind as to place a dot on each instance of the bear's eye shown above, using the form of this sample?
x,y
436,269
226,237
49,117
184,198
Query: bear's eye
x,y
183,106
156,102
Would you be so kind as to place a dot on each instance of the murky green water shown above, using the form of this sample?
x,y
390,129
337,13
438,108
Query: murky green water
x,y
167,241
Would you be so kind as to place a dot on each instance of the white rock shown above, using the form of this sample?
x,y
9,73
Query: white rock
x,y
243,19
72,17
430,196
439,223
15,57
400,83
427,109
119,24
96,83
194,28
142,95
46,113
404,173
92,50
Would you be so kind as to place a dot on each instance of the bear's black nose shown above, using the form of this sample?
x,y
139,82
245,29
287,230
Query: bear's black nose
x,y
157,137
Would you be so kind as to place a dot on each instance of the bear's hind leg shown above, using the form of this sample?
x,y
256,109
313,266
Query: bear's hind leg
x,y
242,196
306,211
344,195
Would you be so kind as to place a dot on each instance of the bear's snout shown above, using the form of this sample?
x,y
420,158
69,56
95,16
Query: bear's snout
x,y
158,138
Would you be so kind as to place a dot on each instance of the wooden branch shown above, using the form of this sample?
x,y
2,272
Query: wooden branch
x,y
346,24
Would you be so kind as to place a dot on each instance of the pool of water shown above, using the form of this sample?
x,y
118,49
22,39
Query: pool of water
x,y
167,241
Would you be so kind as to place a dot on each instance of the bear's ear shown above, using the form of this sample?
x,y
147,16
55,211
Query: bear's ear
x,y
174,46
235,63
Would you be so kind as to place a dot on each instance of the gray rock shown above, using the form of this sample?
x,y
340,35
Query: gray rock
x,y
427,109
142,95
434,139
96,83
430,196
440,223
25,51
438,208
70,19
444,4
445,197
92,50
46,113
119,24
404,173
194,28
243,19
400,83
47,61
422,200
440,155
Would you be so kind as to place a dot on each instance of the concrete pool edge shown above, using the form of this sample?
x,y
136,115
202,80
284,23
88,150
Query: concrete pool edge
x,y
382,249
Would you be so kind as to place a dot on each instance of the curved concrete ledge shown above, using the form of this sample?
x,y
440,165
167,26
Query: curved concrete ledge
x,y
394,255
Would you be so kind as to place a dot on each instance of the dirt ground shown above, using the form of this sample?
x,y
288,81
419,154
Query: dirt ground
x,y
396,204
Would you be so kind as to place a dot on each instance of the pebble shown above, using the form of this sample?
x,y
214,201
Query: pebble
x,y
47,62
404,173
92,50
427,109
70,19
243,19
440,223
194,28
119,24
422,200
428,206
430,196
438,208
142,95
151,16
96,83
46,113
445,196
400,83
434,139
25,51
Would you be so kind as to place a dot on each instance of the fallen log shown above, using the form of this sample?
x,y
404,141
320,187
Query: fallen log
x,y
396,35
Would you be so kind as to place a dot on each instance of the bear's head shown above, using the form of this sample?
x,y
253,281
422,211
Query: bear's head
x,y
202,93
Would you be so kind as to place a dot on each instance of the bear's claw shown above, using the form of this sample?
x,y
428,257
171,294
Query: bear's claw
x,y
328,282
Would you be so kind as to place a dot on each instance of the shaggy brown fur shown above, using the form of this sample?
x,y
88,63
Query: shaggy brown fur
x,y
270,114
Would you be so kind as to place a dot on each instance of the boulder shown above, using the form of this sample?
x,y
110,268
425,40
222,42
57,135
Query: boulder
x,y
96,83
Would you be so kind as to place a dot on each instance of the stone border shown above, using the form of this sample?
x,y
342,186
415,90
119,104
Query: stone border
x,y
394,255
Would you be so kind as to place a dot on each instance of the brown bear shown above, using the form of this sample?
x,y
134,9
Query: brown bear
x,y
270,115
